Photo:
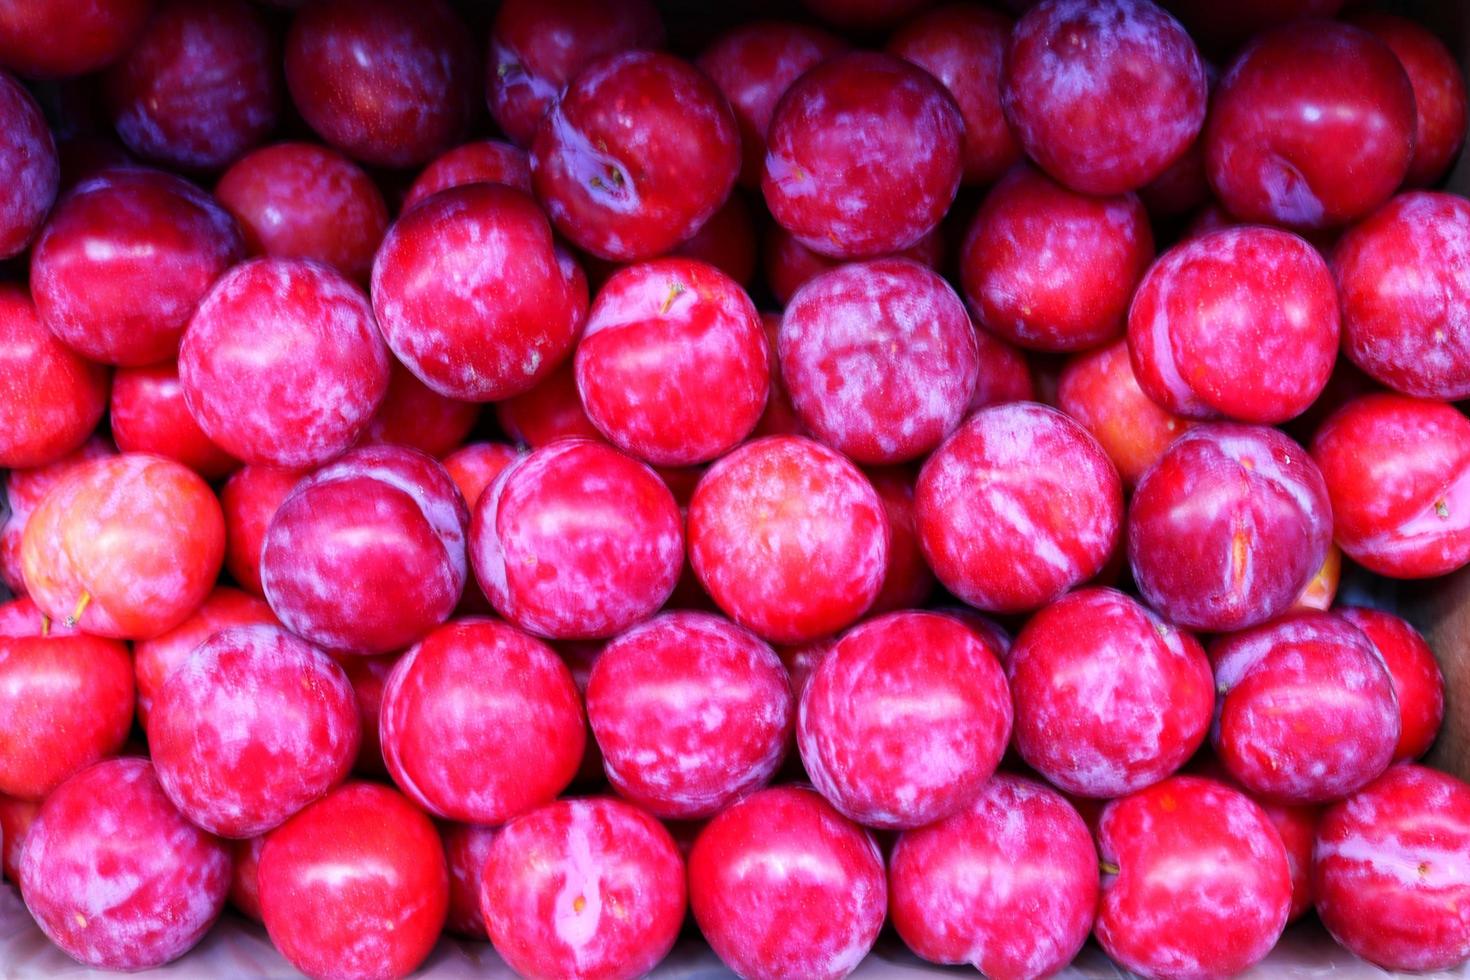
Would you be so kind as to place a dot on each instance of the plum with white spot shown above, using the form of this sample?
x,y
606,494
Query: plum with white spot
x,y
50,397
1418,684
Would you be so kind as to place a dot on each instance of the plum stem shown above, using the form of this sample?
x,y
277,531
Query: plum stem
x,y
45,625
81,607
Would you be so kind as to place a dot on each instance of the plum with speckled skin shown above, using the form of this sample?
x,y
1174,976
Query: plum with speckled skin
x,y
148,414
1007,884
759,869
1418,685
1389,871
124,261
50,397
28,166
23,491
387,519
691,712
1306,710
115,876
481,723
482,162
863,156
466,851
249,499
474,296
1196,882
355,886
1228,527
414,415
1017,507
61,38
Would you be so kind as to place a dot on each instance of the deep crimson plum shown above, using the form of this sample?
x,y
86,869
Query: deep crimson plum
x,y
1418,684
1312,126
199,87
481,723
590,888
369,676
577,541
16,817
1242,323
1389,871
61,38
1103,94
1403,303
907,580
1398,471
148,415
124,546
251,728
691,712
1183,186
387,83
475,466
879,359
726,241
1228,527
1005,374
537,47
864,155
904,720
759,870
156,659
1306,710
1439,92
640,152
66,700
789,265
1195,880
23,490
466,851
1051,269
245,877
115,876
1008,884
282,363
50,398
384,518
355,885
660,338
303,201
551,410
864,15
789,538
29,165
249,499
415,415
125,260
754,64
486,161
1017,507
473,295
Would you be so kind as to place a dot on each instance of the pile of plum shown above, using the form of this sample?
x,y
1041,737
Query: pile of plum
x,y
576,472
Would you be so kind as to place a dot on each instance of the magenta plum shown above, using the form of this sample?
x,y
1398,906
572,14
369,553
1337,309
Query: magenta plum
x,y
61,38
28,165
249,499
466,851
1418,684
726,241
148,414
368,676
907,580
482,162
789,265
552,410
245,876
415,415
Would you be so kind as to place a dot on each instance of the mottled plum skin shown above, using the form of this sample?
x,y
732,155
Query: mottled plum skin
x,y
1103,94
789,538
1245,557
641,150
1418,685
355,885
125,259
148,414
1018,506
1100,390
384,518
577,541
115,876
863,155
125,546
482,162
753,65
303,201
473,295
691,712
415,415
199,87
1389,871
661,337
1109,698
249,499
23,490
1196,882
879,359
245,876
282,363
466,851
1312,127
590,888
789,264
1306,710
481,723
758,870
1047,268
1007,884
907,580
550,411
50,397
537,47
1398,471
28,165
62,38
904,720
66,700
1405,319
1241,323
387,83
